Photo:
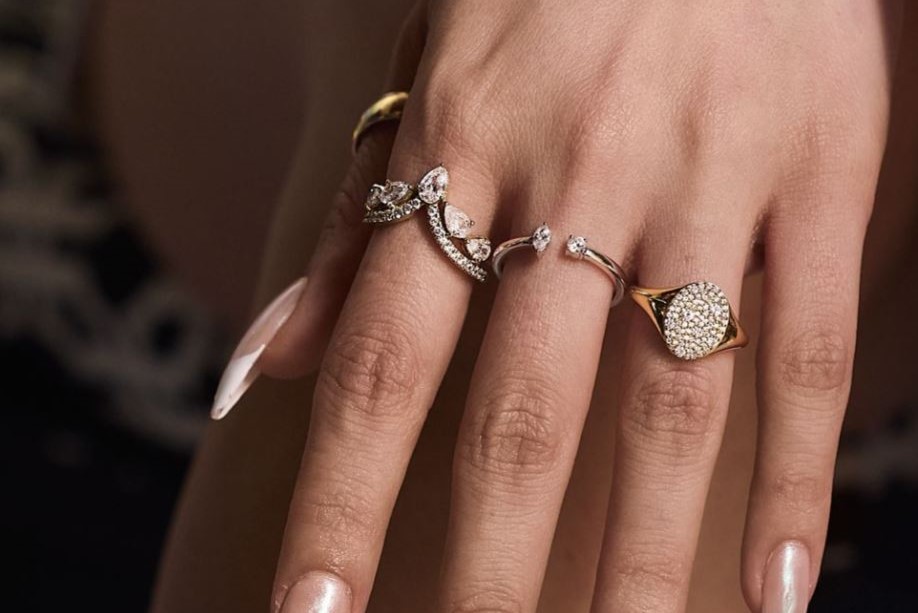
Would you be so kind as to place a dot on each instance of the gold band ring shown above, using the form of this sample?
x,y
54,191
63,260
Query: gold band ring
x,y
389,107
695,320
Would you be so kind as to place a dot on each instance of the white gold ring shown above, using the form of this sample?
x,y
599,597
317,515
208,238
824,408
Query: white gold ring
x,y
396,201
577,247
538,241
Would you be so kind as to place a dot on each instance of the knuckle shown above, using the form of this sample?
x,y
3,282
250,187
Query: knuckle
x,y
816,361
346,211
493,599
371,372
677,404
652,571
338,512
822,135
518,432
455,106
603,124
827,147
347,208
348,202
801,492
705,126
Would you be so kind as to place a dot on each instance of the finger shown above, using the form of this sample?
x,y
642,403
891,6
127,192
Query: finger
x,y
380,374
670,424
527,403
299,344
804,366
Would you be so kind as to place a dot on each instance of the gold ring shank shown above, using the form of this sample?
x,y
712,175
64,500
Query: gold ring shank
x,y
389,107
656,301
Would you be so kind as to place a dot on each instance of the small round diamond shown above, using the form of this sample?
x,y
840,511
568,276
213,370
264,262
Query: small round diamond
x,y
696,320
576,245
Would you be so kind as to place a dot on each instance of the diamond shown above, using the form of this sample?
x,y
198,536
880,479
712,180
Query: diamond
x,y
696,320
479,248
432,187
444,242
373,197
541,238
394,192
457,222
392,213
576,245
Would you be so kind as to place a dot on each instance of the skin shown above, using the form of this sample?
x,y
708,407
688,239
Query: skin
x,y
506,496
683,139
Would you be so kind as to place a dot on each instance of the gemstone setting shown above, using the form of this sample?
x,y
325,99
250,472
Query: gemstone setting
x,y
432,186
443,238
541,238
696,320
479,248
458,224
393,213
576,246
394,192
373,201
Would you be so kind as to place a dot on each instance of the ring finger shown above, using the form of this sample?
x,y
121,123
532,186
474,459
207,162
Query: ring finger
x,y
670,424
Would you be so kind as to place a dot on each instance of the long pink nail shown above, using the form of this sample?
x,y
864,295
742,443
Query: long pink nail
x,y
318,592
242,369
786,588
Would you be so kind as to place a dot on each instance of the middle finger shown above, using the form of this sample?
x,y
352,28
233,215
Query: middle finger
x,y
527,402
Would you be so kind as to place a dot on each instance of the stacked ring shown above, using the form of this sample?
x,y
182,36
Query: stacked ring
x,y
695,320
538,241
389,107
396,201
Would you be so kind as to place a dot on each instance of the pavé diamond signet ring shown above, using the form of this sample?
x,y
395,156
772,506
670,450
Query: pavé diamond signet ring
x,y
695,320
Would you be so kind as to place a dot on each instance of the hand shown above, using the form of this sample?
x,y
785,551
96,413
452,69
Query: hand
x,y
677,137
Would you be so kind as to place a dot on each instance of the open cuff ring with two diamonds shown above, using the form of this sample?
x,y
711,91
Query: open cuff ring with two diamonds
x,y
576,247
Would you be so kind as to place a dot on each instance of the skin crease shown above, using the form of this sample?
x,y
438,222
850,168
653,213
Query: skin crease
x,y
571,561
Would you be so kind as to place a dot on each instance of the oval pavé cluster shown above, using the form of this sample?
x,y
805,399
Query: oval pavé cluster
x,y
696,320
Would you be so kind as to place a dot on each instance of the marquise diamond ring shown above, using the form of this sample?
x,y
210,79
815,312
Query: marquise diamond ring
x,y
395,201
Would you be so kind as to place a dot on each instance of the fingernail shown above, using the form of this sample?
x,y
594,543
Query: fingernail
x,y
318,592
242,370
786,588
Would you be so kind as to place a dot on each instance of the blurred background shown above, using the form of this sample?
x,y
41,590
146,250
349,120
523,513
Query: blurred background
x,y
140,156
